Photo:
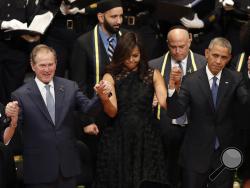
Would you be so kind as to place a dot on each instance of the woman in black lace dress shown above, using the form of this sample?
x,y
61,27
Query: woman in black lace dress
x,y
130,150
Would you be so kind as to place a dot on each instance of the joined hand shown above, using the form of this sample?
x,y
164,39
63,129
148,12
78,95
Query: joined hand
x,y
175,78
11,111
103,89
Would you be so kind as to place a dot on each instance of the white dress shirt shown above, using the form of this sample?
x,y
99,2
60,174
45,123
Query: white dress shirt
x,y
42,89
210,77
183,63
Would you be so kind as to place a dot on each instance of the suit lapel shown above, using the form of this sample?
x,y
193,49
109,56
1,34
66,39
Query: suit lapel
x,y
223,87
59,95
167,69
37,98
205,87
189,68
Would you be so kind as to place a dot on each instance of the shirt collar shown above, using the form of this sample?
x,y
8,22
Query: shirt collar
x,y
210,75
104,35
184,61
41,85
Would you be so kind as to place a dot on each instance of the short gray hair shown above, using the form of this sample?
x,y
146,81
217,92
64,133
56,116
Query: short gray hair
x,y
221,42
39,48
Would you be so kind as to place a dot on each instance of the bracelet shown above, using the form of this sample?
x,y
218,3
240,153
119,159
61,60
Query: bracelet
x,y
110,94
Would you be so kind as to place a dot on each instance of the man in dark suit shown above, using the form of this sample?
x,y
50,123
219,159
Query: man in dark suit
x,y
89,58
236,16
90,53
179,41
240,63
209,93
46,122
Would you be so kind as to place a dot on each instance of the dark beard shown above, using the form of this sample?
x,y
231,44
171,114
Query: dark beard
x,y
109,28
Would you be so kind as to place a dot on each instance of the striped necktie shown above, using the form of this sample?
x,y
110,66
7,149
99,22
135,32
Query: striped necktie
x,y
110,47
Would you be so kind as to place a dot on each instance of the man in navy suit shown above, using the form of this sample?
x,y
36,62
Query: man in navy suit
x,y
46,122
209,93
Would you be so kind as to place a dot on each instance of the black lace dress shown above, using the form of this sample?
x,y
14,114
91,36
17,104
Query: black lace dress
x,y
130,149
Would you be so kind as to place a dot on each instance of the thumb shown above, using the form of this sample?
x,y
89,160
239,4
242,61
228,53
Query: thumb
x,y
15,102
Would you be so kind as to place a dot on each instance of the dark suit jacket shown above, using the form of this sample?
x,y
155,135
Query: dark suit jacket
x,y
83,69
242,111
48,148
83,66
2,124
200,61
206,122
4,121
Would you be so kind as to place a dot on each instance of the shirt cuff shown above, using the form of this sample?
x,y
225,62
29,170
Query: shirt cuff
x,y
170,92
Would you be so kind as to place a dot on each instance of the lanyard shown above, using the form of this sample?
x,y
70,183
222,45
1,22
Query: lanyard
x,y
97,54
239,66
163,73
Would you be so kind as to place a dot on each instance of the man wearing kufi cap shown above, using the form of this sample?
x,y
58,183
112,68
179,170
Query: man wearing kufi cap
x,y
91,53
85,58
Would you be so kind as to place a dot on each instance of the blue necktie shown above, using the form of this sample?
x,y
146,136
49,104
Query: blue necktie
x,y
50,103
214,90
110,47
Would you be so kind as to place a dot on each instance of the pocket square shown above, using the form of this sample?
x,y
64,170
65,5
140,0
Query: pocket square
x,y
226,82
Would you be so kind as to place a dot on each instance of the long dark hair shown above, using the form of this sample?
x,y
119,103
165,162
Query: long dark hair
x,y
126,43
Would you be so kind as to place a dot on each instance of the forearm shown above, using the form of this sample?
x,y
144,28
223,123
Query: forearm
x,y
109,108
8,133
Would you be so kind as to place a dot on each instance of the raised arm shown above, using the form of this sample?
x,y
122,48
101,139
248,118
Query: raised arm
x,y
109,103
160,89
11,111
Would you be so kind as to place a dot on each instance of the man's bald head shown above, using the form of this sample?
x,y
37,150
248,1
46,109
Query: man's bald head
x,y
179,41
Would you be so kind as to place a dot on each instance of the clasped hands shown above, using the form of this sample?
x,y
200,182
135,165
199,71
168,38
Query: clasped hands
x,y
11,111
175,78
103,89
